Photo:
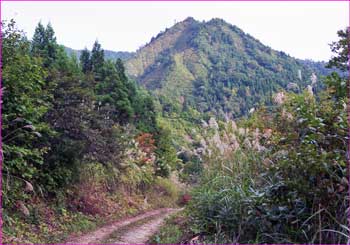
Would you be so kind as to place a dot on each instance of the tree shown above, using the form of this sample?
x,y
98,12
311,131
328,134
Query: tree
x,y
51,44
341,50
38,42
340,86
69,116
97,60
145,113
119,66
23,106
166,153
85,61
113,91
44,44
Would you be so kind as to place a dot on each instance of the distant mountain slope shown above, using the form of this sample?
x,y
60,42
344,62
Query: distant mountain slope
x,y
112,55
216,68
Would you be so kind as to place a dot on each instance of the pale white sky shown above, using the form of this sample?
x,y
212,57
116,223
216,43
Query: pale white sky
x,y
301,29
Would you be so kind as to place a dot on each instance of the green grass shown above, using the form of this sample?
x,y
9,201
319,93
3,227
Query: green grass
x,y
19,230
175,230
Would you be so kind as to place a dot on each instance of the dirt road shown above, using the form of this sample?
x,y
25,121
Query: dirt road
x,y
134,230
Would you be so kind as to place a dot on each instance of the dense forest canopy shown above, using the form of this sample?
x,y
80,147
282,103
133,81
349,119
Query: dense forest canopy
x,y
217,69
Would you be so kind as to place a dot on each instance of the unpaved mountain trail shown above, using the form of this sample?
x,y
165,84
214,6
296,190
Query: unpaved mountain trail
x,y
141,234
127,231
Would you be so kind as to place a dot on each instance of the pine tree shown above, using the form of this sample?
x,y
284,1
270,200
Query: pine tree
x,y
97,60
114,91
85,61
44,44
38,42
51,44
120,69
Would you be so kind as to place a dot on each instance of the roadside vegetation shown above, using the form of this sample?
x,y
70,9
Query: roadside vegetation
x,y
84,145
81,142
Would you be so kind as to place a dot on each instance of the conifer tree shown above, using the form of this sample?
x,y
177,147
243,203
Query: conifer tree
x,y
120,69
38,42
97,60
85,61
44,44
50,44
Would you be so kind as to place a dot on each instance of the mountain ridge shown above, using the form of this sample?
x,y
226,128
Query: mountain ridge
x,y
215,67
109,54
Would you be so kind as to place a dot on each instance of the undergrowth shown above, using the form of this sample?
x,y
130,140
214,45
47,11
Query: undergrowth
x,y
82,208
176,230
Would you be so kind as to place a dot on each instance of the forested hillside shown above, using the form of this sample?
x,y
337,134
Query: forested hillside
x,y
217,69
109,54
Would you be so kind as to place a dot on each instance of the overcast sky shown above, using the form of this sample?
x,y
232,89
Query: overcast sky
x,y
301,29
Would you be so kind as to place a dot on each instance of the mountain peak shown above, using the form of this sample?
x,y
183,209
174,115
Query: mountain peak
x,y
189,20
217,21
213,66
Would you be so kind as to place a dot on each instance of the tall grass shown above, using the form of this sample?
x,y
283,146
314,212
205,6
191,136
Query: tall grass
x,y
255,197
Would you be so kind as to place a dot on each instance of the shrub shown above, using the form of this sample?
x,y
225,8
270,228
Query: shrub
x,y
166,187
